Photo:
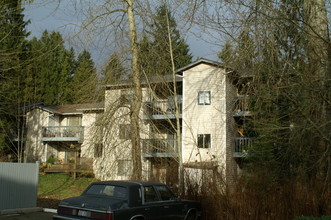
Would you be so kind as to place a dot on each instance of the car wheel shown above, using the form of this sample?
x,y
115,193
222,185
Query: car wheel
x,y
191,216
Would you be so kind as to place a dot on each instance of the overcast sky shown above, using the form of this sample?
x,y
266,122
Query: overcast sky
x,y
65,18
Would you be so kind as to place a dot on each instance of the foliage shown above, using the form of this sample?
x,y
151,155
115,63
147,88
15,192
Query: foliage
x,y
51,68
114,70
13,61
51,160
84,80
313,218
257,198
155,49
288,88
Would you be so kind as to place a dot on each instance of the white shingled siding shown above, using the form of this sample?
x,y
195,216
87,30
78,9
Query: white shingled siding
x,y
88,122
116,151
35,149
204,119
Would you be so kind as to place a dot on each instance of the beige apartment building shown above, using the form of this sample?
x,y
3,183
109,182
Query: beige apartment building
x,y
194,119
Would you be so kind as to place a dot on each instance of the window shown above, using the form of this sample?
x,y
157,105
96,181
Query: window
x,y
126,96
123,167
107,190
74,121
125,131
165,193
150,194
98,148
204,98
204,141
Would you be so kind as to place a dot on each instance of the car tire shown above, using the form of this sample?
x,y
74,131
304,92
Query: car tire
x,y
191,216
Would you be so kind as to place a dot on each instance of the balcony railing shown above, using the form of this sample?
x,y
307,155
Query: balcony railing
x,y
241,146
159,147
162,109
63,133
241,106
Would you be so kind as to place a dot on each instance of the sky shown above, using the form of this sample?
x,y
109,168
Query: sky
x,y
65,18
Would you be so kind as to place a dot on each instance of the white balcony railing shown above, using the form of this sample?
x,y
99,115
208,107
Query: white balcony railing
x,y
63,133
159,147
241,106
163,107
241,145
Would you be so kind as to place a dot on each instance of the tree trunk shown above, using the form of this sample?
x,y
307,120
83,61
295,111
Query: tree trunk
x,y
178,125
136,103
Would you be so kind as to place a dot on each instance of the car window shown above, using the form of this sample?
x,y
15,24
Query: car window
x,y
107,190
150,194
165,193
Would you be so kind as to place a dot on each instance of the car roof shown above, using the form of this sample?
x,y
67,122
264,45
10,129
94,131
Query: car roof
x,y
129,183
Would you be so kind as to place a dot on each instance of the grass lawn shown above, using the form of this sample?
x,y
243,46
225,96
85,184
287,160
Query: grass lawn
x,y
54,187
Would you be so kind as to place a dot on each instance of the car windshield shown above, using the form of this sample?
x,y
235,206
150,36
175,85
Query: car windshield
x,y
107,190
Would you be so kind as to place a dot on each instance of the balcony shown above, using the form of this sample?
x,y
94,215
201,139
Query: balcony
x,y
159,148
241,145
63,134
165,109
241,107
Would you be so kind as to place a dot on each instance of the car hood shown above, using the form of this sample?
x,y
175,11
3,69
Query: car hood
x,y
101,203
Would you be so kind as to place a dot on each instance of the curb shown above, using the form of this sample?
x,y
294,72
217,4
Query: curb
x,y
21,211
50,210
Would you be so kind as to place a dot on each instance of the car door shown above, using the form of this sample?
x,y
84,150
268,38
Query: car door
x,y
171,206
153,209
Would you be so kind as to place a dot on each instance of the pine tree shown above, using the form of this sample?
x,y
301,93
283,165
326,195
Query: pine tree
x,y
13,60
114,70
84,81
53,67
155,53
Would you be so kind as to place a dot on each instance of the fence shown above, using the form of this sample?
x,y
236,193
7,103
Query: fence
x,y
18,185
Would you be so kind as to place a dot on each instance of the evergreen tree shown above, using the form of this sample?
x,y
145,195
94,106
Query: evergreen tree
x,y
53,67
155,55
114,70
84,81
13,60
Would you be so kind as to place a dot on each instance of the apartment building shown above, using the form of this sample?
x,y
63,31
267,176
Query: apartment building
x,y
194,119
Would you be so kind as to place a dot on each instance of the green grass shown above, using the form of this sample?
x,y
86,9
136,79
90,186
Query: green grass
x,y
60,186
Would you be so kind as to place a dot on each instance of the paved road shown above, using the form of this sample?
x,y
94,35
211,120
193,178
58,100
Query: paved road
x,y
28,216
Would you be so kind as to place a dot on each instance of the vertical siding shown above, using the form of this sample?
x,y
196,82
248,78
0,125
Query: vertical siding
x,y
204,119
18,185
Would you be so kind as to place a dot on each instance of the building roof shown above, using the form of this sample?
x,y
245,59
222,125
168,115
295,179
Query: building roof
x,y
200,61
73,109
145,81
164,78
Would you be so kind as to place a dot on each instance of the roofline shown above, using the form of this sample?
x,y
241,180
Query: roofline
x,y
199,61
47,109
91,109
79,111
129,84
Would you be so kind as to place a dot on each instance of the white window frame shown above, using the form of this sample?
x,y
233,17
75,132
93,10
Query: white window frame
x,y
205,142
98,150
204,98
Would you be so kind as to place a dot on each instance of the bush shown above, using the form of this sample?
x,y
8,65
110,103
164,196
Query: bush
x,y
258,198
313,218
